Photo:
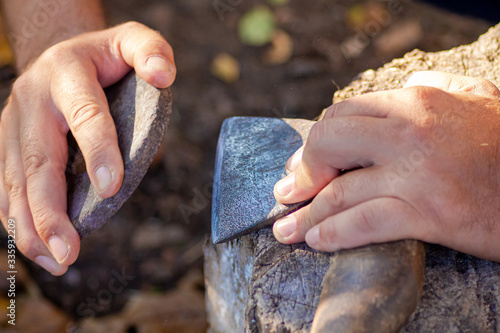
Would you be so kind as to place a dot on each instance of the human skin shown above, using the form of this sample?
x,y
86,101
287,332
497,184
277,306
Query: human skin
x,y
63,66
426,166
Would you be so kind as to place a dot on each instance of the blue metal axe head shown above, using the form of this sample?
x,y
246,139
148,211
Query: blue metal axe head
x,y
251,156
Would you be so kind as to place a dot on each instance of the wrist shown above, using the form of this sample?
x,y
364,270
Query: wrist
x,y
35,26
28,52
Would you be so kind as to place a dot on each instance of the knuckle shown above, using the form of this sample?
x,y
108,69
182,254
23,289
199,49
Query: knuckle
x,y
22,84
330,111
423,119
422,127
336,195
57,53
9,178
316,135
484,86
305,177
328,235
421,95
43,218
366,221
15,191
314,170
305,219
19,84
81,115
34,162
94,152
94,143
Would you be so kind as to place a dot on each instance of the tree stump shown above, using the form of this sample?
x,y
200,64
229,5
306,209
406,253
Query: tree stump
x,y
255,284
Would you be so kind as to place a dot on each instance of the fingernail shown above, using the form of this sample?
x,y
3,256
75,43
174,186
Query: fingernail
x,y
285,186
312,237
49,264
286,226
58,248
103,178
163,70
160,64
294,161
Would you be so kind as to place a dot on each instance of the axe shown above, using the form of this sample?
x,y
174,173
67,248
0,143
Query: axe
x,y
374,288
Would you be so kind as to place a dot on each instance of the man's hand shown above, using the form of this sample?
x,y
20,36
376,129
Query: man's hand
x,y
426,166
63,91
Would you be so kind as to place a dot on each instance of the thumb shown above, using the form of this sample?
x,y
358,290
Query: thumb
x,y
452,83
134,45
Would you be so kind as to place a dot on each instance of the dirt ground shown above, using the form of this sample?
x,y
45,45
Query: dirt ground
x,y
142,272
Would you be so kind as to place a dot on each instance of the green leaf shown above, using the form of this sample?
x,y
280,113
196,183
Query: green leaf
x,y
256,27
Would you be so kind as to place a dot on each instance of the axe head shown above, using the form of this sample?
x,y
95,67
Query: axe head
x,y
251,156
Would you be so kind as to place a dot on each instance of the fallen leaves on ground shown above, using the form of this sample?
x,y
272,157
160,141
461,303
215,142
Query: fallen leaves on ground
x,y
226,68
182,311
256,27
281,49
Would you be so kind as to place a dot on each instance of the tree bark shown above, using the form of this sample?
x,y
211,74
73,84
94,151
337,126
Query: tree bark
x,y
255,284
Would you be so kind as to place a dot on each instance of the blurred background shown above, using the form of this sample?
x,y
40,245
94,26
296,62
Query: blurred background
x,y
142,272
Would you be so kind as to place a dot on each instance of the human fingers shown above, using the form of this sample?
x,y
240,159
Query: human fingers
x,y
81,100
375,104
26,236
77,93
396,102
133,45
453,83
44,164
411,103
375,221
342,193
148,52
73,86
336,144
294,161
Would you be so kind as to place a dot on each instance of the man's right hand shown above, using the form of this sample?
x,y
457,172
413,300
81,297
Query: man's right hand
x,y
62,91
424,165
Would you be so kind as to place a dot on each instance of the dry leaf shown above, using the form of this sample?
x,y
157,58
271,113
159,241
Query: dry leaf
x,y
226,68
281,49
365,16
399,38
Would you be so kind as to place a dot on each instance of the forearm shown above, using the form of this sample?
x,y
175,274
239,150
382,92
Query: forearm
x,y
35,25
